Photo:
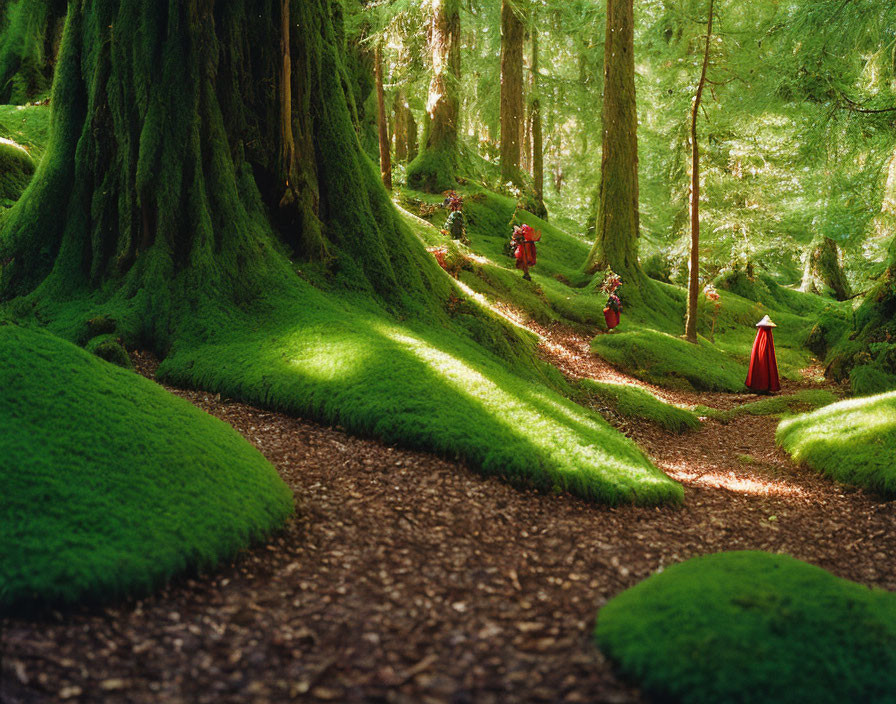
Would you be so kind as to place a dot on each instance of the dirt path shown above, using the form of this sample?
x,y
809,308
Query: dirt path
x,y
407,578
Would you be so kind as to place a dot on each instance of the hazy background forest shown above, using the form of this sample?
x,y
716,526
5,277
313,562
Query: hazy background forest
x,y
796,128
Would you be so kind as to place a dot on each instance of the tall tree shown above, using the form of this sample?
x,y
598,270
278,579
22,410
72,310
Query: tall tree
x,y
535,120
165,146
434,168
383,128
690,328
616,243
513,34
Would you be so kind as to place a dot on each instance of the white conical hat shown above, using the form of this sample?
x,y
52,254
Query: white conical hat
x,y
766,322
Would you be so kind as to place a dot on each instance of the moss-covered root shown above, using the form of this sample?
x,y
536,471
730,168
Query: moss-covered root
x,y
800,402
633,402
110,485
852,441
16,170
753,627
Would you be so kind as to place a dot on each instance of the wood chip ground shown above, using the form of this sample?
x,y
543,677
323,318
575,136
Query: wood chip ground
x,y
408,579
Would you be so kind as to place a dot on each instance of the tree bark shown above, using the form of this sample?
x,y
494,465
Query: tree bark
x,y
433,169
616,244
399,111
165,148
535,117
694,261
385,155
512,36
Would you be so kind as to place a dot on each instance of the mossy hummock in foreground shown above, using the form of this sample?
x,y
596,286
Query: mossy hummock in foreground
x,y
634,402
110,485
753,627
852,441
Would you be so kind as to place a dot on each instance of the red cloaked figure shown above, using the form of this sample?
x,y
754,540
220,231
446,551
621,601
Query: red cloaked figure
x,y
763,374
523,240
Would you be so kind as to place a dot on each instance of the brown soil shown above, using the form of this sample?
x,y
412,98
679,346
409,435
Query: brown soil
x,y
409,578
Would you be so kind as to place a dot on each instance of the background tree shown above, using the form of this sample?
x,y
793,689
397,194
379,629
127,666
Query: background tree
x,y
694,263
382,121
512,114
616,244
434,168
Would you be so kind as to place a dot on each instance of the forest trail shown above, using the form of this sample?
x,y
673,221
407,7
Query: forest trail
x,y
409,578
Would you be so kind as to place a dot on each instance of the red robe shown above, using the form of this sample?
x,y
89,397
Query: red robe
x,y
763,374
525,252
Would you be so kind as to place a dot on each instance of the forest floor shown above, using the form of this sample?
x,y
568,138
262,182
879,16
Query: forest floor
x,y
408,578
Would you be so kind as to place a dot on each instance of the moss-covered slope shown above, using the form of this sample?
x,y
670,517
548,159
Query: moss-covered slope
x,y
852,441
110,485
754,628
16,170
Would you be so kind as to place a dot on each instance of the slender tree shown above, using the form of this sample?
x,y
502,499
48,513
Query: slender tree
x,y
383,131
512,114
694,261
616,243
434,168
535,121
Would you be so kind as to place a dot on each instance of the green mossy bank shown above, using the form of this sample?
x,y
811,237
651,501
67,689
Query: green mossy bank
x,y
753,627
16,170
112,486
853,441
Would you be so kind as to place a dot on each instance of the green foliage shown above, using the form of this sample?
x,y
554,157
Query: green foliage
x,y
111,486
800,402
852,441
28,43
634,402
753,627
16,170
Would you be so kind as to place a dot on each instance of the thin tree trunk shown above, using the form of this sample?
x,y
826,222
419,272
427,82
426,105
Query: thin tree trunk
x,y
512,35
535,115
288,165
385,156
694,262
400,111
616,243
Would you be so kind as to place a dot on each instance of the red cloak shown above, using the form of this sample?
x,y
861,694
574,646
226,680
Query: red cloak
x,y
763,374
525,254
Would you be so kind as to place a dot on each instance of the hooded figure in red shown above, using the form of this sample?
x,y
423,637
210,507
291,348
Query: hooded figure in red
x,y
763,374
523,242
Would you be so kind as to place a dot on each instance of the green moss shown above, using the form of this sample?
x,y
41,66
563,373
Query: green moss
x,y
110,349
866,380
670,361
111,486
800,402
16,170
28,45
27,125
432,171
341,360
852,441
751,627
634,402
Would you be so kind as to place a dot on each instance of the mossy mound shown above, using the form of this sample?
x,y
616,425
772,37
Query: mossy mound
x,y
800,402
27,125
111,486
753,627
866,380
16,170
852,441
669,361
633,402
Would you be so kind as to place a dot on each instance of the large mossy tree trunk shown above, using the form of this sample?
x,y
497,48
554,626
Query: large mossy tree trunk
x,y
165,170
28,47
434,168
513,34
823,272
690,326
617,229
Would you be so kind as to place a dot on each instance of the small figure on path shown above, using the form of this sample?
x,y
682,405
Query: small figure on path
x,y
763,374
455,225
523,242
